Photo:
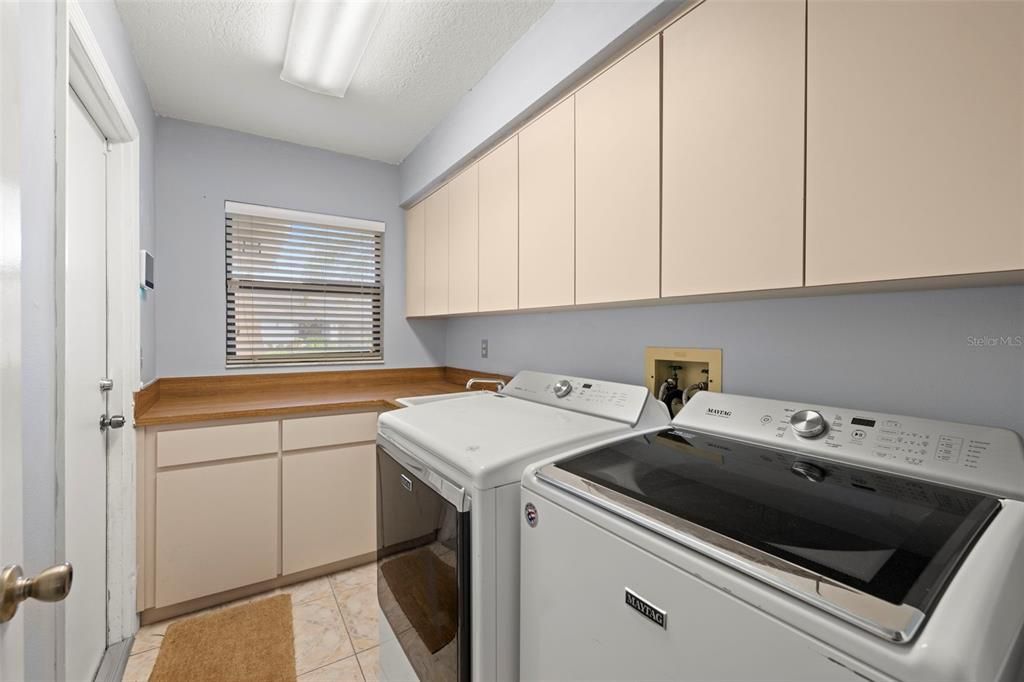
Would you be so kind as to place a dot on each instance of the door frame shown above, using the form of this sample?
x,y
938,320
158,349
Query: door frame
x,y
12,633
82,67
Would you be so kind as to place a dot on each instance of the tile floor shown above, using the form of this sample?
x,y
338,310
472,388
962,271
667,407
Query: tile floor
x,y
335,624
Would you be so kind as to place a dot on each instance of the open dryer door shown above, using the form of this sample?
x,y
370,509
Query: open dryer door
x,y
423,565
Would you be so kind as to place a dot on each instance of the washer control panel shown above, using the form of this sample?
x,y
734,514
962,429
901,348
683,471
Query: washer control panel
x,y
607,399
976,457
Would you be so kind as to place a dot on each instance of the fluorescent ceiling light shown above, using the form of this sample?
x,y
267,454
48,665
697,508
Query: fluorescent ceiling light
x,y
326,41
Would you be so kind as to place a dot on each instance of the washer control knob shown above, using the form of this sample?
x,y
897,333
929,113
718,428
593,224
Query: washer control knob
x,y
811,472
562,388
807,423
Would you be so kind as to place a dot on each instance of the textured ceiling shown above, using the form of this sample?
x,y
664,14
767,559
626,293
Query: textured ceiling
x,y
219,63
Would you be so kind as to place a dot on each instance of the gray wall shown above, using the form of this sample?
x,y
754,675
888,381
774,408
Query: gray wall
x,y
907,353
38,74
570,38
198,168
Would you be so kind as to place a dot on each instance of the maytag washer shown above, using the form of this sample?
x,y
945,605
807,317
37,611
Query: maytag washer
x,y
448,474
766,540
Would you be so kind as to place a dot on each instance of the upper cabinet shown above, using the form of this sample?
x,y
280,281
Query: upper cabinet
x,y
463,214
435,250
753,145
733,164
915,139
547,209
499,228
414,261
618,190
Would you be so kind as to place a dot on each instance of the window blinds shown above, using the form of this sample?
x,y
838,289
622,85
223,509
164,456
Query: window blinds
x,y
302,288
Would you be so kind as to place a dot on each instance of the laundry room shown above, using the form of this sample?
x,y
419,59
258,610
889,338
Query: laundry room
x,y
512,340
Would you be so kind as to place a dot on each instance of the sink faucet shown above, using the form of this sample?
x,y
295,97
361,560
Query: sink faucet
x,y
497,382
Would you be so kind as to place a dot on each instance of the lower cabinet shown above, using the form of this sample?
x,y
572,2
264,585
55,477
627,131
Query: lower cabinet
x,y
216,528
232,509
328,506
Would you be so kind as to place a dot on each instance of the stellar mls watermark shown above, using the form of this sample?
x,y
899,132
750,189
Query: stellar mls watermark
x,y
996,341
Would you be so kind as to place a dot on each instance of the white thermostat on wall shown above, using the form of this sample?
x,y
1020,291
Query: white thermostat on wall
x,y
146,270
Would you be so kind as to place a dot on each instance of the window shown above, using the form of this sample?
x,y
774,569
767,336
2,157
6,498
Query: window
x,y
302,287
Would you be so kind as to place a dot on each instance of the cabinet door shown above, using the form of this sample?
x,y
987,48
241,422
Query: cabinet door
x,y
329,506
216,528
915,139
462,242
414,261
435,249
547,210
617,180
499,228
732,199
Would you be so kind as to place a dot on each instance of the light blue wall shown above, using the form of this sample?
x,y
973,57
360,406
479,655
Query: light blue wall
x,y
198,168
38,48
567,42
906,352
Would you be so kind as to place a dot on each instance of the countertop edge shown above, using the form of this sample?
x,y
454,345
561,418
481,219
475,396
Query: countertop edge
x,y
393,384
245,413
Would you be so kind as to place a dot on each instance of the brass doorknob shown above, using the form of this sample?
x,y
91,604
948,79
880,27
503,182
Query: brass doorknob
x,y
53,584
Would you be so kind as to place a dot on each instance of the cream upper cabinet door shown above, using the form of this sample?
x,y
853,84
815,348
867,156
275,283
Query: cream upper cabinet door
x,y
463,218
435,251
733,162
414,261
915,139
547,210
499,228
617,180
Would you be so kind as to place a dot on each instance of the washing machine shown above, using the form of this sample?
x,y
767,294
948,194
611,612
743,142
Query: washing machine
x,y
759,539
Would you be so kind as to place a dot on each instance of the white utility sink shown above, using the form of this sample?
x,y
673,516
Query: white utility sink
x,y
421,399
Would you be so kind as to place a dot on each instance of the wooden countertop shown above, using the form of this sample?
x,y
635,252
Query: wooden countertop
x,y
181,400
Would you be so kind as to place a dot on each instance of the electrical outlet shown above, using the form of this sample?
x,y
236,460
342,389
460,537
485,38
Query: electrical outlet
x,y
483,348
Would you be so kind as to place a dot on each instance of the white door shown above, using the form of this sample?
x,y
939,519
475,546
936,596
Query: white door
x,y
85,448
12,632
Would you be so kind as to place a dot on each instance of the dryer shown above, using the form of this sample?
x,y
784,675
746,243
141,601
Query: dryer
x,y
448,478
